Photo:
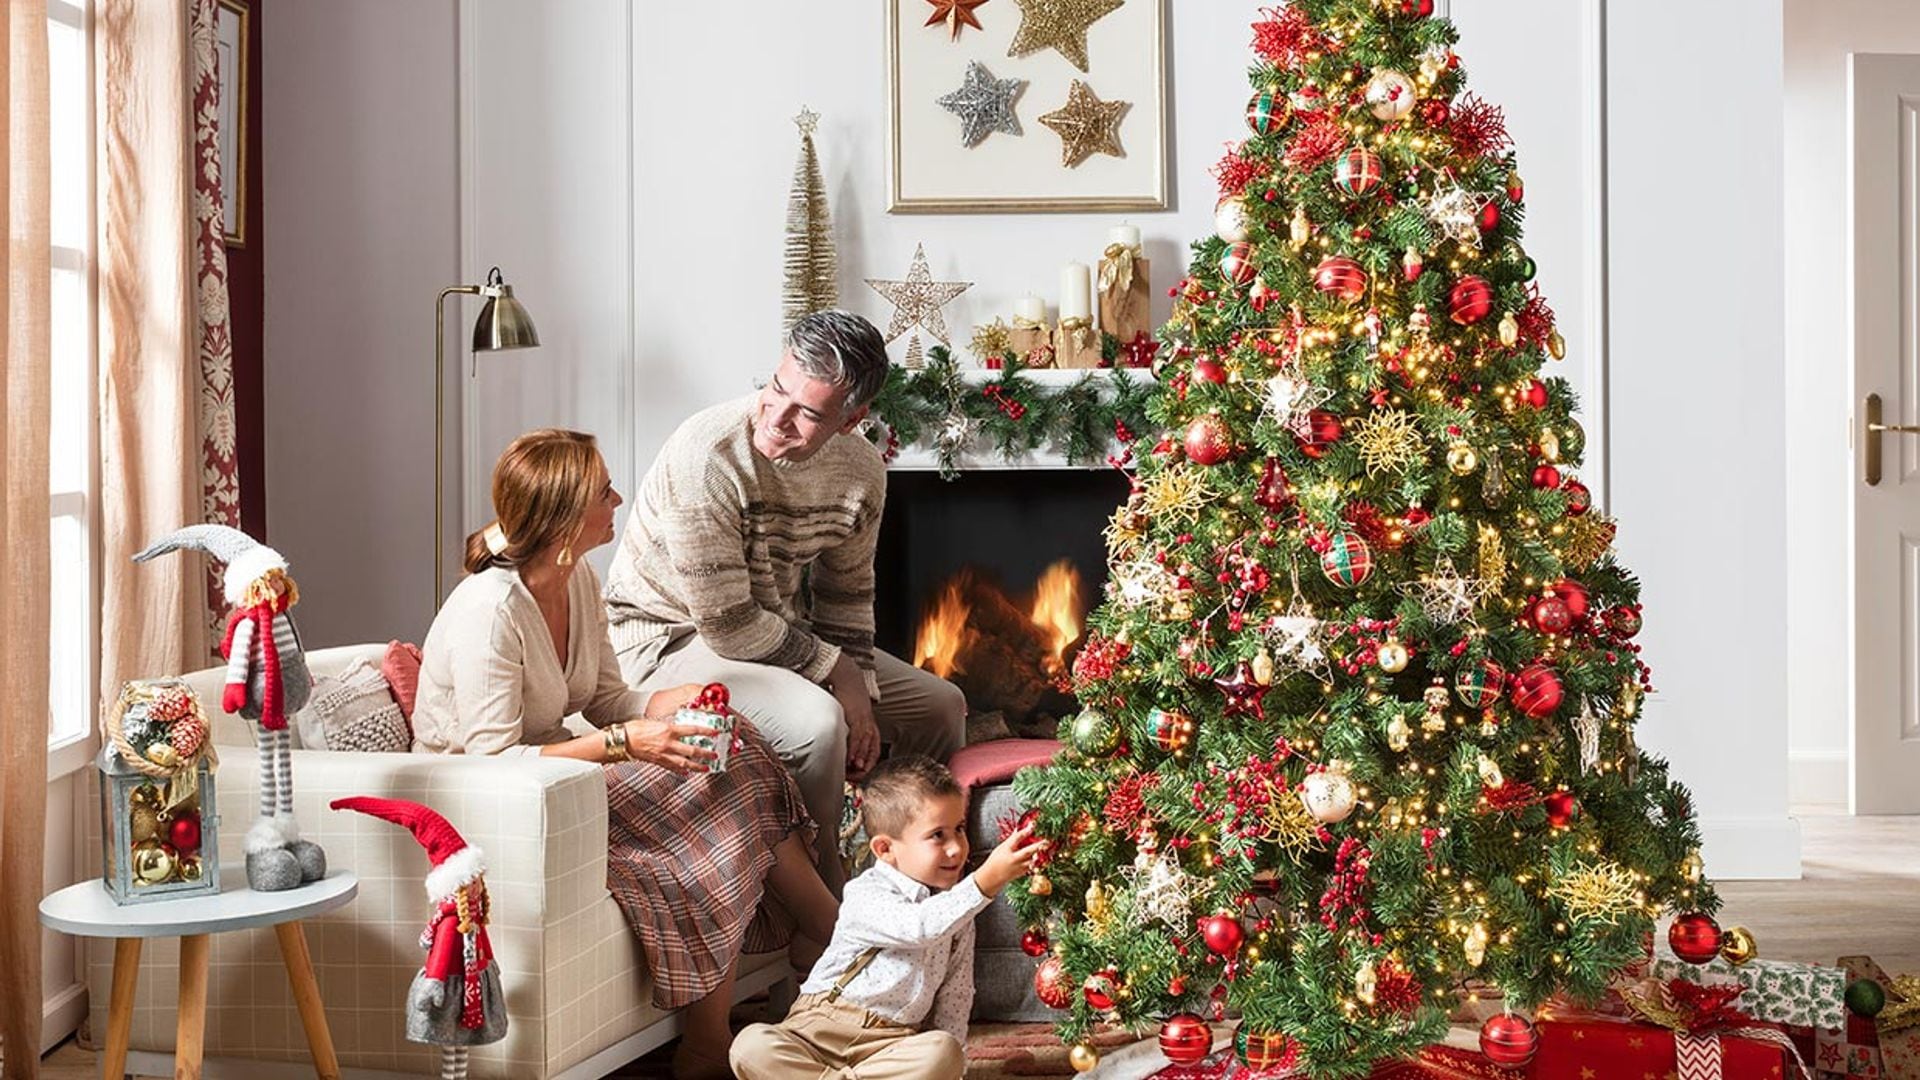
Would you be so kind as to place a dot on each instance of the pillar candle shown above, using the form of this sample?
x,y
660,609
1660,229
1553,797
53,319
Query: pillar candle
x,y
1124,235
1076,292
1031,308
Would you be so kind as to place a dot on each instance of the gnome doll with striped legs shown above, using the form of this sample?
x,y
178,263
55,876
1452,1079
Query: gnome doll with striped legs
x,y
267,682
455,1001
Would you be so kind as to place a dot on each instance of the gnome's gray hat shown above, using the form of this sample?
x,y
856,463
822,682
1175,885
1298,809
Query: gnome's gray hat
x,y
246,558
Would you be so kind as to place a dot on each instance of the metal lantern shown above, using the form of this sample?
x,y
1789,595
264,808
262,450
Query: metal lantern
x,y
159,826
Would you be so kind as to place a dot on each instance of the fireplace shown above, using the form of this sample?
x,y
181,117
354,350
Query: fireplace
x,y
987,581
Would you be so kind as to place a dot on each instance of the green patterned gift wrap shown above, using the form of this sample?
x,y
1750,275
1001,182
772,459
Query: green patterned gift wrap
x,y
1798,995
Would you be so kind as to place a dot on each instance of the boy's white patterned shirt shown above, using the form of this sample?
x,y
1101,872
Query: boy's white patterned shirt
x,y
923,975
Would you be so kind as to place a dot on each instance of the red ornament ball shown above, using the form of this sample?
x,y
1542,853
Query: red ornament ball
x,y
1358,171
1471,300
1490,216
1100,988
1550,615
1560,806
1034,943
1264,1049
1624,620
183,833
1419,9
1573,594
1694,937
1185,1039
1348,561
1340,276
1537,691
1237,264
1508,1039
1535,394
1172,730
1323,430
1546,477
1209,440
1209,370
1436,112
1222,933
1479,686
1050,984
1579,498
713,696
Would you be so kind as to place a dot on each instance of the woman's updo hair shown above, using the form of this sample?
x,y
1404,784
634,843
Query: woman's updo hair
x,y
542,486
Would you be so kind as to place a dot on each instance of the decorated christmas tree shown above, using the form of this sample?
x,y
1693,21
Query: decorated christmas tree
x,y
1356,736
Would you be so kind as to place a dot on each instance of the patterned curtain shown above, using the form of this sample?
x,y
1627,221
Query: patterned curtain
x,y
219,470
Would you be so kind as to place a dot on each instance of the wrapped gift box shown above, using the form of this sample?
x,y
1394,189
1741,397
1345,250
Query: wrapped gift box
x,y
1602,1049
1795,995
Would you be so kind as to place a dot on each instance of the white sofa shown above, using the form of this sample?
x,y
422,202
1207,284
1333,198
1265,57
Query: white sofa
x,y
579,999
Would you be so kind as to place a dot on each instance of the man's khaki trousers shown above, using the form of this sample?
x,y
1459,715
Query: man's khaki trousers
x,y
831,1040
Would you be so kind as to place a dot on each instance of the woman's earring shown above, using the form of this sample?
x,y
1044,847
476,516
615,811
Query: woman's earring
x,y
565,558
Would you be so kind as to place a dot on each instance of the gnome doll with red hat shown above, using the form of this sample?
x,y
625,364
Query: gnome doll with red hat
x,y
267,682
455,1002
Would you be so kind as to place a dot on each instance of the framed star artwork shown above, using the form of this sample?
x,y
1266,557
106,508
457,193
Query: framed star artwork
x,y
1009,106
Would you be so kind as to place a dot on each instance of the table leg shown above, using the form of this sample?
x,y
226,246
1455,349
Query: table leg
x,y
189,1041
306,994
126,974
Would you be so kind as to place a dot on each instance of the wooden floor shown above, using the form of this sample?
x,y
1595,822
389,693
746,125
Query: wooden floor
x,y
1860,894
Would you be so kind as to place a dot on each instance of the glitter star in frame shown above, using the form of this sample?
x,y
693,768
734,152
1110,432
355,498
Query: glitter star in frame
x,y
984,104
917,299
1060,25
1087,125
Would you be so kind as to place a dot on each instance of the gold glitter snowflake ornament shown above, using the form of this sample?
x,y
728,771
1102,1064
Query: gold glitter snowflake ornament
x,y
1599,890
1390,441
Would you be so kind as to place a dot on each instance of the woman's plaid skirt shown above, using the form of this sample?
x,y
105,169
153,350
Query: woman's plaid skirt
x,y
688,857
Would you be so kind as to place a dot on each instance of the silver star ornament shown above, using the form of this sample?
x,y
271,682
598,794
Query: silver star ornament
x,y
984,104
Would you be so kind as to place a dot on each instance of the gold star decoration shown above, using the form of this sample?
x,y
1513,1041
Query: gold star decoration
x,y
1086,125
1175,496
1598,890
1060,25
1389,441
917,300
954,14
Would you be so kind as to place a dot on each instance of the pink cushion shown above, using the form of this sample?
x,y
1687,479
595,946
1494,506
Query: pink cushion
x,y
995,762
401,666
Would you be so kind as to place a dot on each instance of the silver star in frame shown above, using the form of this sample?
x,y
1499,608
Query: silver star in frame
x,y
984,104
1445,597
918,299
1290,403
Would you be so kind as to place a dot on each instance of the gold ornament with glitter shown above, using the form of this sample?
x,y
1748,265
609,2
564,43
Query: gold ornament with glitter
x,y
1588,539
1599,890
1490,558
991,341
1087,125
1126,529
1289,826
917,300
1176,496
1389,441
1060,25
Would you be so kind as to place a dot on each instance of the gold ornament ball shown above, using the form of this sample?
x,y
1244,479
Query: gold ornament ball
x,y
145,822
190,869
151,864
163,755
1738,946
1392,656
1039,884
1461,459
1083,1058
1549,446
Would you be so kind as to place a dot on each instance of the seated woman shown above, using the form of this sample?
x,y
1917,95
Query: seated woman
x,y
521,644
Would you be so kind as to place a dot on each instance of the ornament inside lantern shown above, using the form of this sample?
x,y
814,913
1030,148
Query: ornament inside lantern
x,y
159,830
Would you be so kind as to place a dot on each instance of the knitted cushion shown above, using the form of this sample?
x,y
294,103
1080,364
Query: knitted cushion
x,y
401,667
353,711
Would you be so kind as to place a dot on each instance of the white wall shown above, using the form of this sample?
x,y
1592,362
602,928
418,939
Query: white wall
x,y
662,284
1819,35
360,222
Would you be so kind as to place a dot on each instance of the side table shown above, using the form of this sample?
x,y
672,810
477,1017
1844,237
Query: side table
x,y
86,910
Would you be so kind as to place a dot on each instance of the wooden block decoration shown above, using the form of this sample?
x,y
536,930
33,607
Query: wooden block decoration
x,y
1076,344
1125,297
1033,345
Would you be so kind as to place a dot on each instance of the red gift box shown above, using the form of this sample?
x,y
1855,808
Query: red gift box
x,y
1602,1050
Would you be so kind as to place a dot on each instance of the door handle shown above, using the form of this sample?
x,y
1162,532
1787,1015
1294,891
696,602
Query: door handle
x,y
1874,429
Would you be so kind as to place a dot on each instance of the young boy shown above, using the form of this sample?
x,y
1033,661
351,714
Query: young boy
x,y
890,996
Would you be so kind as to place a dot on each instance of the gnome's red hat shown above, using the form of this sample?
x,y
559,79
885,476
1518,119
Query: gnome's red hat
x,y
455,862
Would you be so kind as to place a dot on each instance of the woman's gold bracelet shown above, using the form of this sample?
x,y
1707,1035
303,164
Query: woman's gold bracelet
x,y
617,743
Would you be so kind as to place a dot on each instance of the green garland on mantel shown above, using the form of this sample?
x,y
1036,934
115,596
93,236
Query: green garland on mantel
x,y
937,406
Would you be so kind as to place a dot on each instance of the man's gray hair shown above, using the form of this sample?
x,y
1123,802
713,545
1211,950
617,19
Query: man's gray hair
x,y
843,349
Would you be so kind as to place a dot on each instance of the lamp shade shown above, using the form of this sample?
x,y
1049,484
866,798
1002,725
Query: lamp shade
x,y
503,322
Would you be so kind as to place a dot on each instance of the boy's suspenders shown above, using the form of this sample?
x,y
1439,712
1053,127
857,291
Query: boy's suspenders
x,y
859,964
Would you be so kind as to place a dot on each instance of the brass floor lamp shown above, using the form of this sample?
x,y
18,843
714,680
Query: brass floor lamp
x,y
503,324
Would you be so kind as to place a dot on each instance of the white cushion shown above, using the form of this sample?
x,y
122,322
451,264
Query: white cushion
x,y
353,710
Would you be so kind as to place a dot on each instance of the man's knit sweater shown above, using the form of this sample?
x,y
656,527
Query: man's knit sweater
x,y
769,562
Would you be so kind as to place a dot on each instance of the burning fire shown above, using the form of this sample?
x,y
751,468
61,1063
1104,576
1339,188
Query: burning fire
x,y
1056,611
944,633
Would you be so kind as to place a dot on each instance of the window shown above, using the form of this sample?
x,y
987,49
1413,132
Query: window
x,y
71,432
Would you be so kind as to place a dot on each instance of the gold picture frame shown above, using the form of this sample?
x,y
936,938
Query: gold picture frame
x,y
928,172
232,21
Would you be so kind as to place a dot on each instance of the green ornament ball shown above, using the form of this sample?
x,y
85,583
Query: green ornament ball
x,y
1094,735
1865,998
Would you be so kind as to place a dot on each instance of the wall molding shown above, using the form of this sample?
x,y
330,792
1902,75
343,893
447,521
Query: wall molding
x,y
1818,777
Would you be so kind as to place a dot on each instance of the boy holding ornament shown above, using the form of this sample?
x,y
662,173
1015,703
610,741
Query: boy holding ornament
x,y
891,994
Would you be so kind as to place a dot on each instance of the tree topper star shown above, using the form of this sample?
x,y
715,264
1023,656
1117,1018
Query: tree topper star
x,y
917,300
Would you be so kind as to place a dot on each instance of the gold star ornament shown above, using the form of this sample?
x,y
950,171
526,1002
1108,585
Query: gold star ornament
x,y
1060,25
1086,125
917,300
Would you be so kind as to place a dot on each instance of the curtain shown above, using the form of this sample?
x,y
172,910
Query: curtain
x,y
24,518
213,329
153,616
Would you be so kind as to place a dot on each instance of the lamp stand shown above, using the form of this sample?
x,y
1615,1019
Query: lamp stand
x,y
439,428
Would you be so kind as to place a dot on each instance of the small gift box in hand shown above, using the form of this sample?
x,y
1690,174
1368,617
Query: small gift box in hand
x,y
709,710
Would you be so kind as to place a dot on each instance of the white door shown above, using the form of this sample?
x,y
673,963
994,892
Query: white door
x,y
1885,290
